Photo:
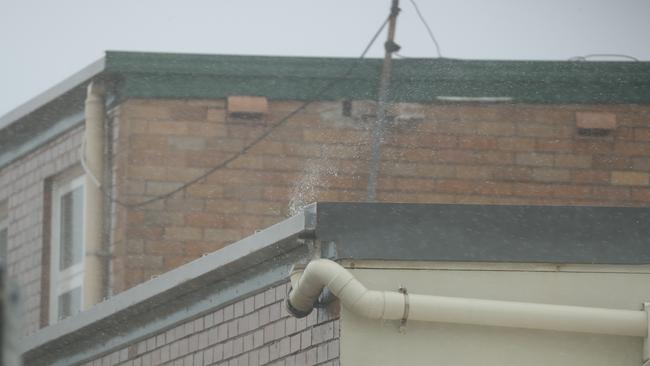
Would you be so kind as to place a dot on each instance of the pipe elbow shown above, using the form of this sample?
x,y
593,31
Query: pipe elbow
x,y
309,283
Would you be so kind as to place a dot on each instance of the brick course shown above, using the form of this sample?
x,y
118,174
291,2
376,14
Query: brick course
x,y
449,153
23,187
456,153
255,330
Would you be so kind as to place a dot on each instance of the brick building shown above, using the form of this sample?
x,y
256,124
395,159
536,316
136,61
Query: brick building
x,y
460,132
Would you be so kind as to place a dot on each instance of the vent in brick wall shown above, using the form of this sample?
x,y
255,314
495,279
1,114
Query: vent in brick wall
x,y
595,124
366,110
247,107
363,109
346,108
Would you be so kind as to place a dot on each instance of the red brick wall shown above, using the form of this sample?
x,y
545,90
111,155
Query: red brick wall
x,y
253,331
460,153
23,187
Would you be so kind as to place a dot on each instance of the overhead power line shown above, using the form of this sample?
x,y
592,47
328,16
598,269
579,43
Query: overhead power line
x,y
252,144
377,133
426,25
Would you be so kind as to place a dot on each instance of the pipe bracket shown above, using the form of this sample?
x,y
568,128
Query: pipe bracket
x,y
402,325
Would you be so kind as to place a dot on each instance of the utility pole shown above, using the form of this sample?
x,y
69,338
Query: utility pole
x,y
378,132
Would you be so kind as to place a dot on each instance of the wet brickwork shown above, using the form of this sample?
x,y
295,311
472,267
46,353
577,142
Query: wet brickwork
x,y
467,153
253,331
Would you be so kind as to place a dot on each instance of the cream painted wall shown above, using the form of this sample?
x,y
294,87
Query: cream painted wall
x,y
372,342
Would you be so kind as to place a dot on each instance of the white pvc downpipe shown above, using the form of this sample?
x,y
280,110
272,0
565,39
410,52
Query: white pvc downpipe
x,y
390,305
93,161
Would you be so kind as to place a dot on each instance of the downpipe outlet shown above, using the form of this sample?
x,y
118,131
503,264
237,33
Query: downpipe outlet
x,y
308,282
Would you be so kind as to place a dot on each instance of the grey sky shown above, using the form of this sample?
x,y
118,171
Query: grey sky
x,y
44,41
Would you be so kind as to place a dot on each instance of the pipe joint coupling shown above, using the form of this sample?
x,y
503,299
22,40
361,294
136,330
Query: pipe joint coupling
x,y
297,313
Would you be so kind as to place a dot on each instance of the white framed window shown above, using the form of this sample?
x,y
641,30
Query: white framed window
x,y
67,249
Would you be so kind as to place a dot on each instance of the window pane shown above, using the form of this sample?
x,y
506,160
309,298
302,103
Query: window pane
x,y
70,303
3,244
71,228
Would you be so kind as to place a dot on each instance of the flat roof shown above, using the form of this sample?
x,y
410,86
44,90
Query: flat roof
x,y
425,80
485,233
348,231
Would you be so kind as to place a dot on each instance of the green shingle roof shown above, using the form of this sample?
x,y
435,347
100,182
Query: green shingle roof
x,y
148,75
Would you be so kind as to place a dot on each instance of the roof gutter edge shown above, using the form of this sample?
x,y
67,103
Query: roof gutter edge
x,y
53,93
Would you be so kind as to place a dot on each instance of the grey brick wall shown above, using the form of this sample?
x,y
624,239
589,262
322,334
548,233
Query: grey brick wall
x,y
253,331
22,186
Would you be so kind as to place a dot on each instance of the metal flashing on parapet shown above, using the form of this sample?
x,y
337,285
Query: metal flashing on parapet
x,y
53,93
328,250
16,146
310,214
485,233
214,280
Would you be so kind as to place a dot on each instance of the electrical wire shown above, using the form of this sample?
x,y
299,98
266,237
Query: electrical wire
x,y
619,55
248,147
426,25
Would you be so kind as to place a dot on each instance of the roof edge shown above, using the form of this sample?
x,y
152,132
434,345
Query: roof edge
x,y
90,333
52,93
123,62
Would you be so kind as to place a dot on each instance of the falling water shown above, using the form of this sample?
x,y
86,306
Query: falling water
x,y
306,189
